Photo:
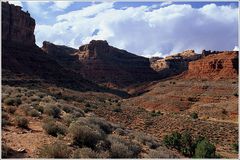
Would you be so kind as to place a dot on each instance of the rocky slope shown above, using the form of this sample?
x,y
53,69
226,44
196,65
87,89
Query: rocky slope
x,y
103,64
63,55
113,67
214,65
174,64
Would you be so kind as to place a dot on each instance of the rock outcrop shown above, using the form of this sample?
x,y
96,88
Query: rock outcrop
x,y
113,67
21,56
17,26
174,64
63,55
216,65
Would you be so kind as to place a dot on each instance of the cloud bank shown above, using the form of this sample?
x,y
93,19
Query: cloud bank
x,y
147,30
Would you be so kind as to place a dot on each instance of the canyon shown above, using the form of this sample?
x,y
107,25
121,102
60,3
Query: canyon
x,y
123,100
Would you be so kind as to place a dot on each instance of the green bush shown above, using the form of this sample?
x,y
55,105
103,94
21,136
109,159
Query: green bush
x,y
55,150
194,115
155,113
187,147
235,147
53,128
52,110
22,122
83,135
173,140
13,101
6,151
205,149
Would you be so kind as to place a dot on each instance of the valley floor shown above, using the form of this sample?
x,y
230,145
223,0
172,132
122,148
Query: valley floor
x,y
162,108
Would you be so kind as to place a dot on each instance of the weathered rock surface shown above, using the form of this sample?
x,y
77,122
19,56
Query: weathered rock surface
x,y
21,56
113,67
63,55
216,65
17,26
174,64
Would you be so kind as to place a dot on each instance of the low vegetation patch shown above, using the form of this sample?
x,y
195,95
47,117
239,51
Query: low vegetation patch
x,y
52,110
12,101
200,148
53,128
55,150
22,122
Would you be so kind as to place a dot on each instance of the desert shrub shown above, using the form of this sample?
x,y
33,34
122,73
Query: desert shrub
x,y
235,147
205,149
35,98
22,122
54,129
120,150
67,108
224,112
146,140
187,147
155,113
84,153
120,131
117,109
55,150
87,105
103,124
5,119
52,110
39,108
86,110
235,94
13,101
194,115
11,109
173,140
6,151
83,135
78,113
41,95
68,119
160,152
33,113
25,108
192,99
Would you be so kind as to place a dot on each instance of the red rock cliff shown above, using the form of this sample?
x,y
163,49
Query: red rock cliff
x,y
222,65
17,26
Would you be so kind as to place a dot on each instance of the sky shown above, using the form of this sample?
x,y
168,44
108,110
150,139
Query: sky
x,y
143,28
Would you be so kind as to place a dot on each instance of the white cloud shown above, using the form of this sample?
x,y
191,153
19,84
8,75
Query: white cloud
x,y
236,48
17,3
61,5
147,31
36,8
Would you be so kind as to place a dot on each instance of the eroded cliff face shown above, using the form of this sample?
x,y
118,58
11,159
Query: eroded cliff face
x,y
22,59
174,64
17,26
216,65
113,67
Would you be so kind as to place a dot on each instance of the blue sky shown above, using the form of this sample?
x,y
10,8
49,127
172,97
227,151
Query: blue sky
x,y
144,28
